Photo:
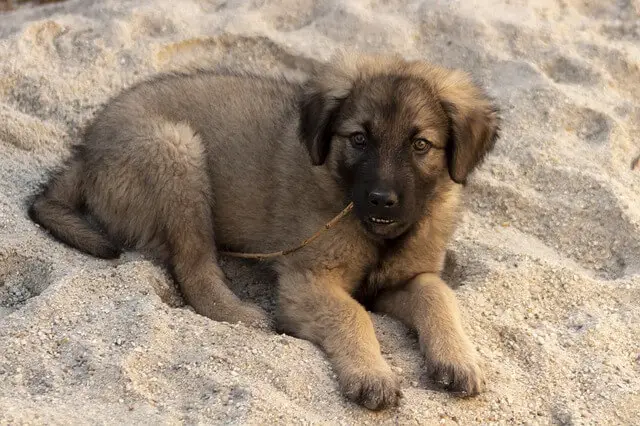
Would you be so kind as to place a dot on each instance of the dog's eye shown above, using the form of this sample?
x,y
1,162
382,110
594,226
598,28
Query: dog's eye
x,y
359,140
421,145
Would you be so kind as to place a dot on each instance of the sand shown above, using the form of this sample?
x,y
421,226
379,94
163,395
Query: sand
x,y
547,256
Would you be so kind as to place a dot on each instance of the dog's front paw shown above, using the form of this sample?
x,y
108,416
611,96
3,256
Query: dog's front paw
x,y
374,388
461,375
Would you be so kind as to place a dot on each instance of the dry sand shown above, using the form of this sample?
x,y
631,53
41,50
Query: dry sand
x,y
547,256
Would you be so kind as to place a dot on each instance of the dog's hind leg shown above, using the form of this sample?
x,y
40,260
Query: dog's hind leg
x,y
152,190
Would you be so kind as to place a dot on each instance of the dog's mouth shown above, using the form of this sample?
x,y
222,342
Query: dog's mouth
x,y
381,224
383,227
380,221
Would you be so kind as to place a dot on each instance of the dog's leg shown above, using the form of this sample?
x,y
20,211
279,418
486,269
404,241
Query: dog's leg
x,y
201,280
318,309
428,305
190,239
157,196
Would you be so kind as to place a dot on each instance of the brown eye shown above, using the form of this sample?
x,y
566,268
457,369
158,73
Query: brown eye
x,y
359,140
421,145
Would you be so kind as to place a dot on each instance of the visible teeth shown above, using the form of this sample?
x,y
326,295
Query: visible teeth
x,y
383,221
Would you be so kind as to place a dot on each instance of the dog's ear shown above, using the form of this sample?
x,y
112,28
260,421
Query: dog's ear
x,y
323,94
475,121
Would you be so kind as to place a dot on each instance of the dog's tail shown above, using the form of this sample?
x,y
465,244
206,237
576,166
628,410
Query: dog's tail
x,y
58,209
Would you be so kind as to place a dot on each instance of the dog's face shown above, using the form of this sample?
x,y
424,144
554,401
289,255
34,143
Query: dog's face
x,y
388,149
392,132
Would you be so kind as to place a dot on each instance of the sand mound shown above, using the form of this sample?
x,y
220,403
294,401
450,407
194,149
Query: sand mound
x,y
547,258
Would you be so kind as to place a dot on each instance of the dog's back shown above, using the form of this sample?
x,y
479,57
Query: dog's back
x,y
156,130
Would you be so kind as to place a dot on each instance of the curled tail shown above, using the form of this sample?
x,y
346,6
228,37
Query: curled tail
x,y
58,209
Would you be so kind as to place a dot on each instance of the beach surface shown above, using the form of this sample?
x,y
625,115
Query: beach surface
x,y
545,262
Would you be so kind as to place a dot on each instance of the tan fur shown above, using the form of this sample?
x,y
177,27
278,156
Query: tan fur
x,y
181,165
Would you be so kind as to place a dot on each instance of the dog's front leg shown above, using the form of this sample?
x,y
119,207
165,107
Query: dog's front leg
x,y
429,306
318,309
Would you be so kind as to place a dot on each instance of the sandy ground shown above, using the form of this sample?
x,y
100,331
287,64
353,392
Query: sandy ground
x,y
547,256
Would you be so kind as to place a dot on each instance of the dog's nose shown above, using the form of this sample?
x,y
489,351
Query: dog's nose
x,y
383,198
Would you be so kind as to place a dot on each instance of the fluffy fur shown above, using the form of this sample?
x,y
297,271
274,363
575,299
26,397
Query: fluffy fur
x,y
182,165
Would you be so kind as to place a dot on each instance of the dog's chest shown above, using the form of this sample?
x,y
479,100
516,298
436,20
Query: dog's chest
x,y
396,265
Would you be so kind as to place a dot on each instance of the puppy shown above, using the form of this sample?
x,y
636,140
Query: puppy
x,y
183,165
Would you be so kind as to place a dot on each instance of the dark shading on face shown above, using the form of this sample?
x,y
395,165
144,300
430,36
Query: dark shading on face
x,y
393,132
389,137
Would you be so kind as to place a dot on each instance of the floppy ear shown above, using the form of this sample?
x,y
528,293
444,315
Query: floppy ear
x,y
475,121
322,97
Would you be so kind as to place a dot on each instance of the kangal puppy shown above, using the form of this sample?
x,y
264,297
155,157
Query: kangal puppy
x,y
182,165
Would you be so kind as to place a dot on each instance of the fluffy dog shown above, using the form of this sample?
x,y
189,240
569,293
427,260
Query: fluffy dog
x,y
181,165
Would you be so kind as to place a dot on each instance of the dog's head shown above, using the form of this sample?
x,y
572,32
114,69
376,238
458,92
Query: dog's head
x,y
392,131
